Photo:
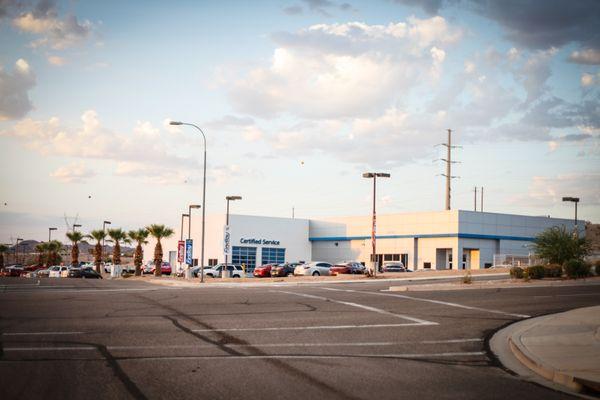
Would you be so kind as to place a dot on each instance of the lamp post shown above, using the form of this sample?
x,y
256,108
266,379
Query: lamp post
x,y
228,198
181,232
203,197
17,250
374,176
50,233
75,226
573,200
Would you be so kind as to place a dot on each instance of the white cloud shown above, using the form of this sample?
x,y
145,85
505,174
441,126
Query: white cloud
x,y
587,56
52,31
73,173
588,79
14,91
552,146
546,190
57,61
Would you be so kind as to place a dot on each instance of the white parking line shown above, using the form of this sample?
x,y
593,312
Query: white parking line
x,y
310,357
368,308
40,333
446,303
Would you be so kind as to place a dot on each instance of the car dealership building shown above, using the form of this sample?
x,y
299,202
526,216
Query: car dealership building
x,y
454,239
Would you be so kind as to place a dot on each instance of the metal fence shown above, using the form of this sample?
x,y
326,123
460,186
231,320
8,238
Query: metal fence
x,y
515,260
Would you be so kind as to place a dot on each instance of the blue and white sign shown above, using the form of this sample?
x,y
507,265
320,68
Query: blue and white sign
x,y
189,246
226,241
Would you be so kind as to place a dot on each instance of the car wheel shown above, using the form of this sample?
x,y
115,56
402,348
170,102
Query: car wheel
x,y
236,276
316,273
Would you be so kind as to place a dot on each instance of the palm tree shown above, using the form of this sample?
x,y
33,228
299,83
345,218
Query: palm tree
x,y
97,235
159,232
140,237
41,249
3,249
75,237
117,236
53,247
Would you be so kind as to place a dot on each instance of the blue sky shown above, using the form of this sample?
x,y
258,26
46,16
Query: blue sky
x,y
297,99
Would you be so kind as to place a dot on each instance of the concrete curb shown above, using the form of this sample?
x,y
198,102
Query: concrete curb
x,y
512,336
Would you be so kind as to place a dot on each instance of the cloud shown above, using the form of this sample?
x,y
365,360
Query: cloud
x,y
531,23
588,79
293,10
145,145
343,70
14,91
587,56
52,30
150,173
57,61
73,173
548,190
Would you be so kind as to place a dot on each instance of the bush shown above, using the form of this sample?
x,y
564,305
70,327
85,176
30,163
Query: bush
x,y
553,271
536,272
577,269
516,272
467,278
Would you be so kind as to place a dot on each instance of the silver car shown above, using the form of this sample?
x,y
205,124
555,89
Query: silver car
x,y
314,268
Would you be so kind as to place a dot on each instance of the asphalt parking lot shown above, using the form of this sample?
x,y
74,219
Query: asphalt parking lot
x,y
73,338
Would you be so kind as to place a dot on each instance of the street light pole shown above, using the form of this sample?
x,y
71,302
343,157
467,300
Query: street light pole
x,y
203,197
228,198
17,250
104,223
50,233
374,176
573,200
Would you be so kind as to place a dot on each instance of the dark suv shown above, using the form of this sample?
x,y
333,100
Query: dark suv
x,y
285,269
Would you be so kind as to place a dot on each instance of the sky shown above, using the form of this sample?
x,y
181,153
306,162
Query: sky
x,y
297,99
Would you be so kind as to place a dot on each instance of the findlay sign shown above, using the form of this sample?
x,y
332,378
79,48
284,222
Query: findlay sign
x,y
260,241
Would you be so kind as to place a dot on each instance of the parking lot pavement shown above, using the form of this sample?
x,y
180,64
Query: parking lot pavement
x,y
120,339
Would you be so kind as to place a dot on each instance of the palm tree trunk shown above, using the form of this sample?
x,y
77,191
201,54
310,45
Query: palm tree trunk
x,y
138,260
74,255
98,256
1,260
117,254
158,254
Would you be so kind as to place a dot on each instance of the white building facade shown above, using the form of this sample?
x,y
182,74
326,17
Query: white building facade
x,y
454,239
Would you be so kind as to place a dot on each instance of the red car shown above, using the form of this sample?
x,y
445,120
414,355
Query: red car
x,y
165,268
264,271
347,268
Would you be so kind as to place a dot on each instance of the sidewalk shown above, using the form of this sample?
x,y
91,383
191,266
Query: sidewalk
x,y
563,348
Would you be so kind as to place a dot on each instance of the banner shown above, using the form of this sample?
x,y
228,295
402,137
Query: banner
x,y
189,246
180,251
226,241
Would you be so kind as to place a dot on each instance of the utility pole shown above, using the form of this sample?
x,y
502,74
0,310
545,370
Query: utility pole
x,y
481,206
475,199
448,174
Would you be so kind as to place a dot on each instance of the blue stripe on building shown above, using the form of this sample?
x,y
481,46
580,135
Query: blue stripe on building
x,y
428,236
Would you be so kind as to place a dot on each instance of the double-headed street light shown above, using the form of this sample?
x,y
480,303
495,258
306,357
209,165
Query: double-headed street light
x,y
228,198
75,226
50,233
374,175
104,223
573,200
203,196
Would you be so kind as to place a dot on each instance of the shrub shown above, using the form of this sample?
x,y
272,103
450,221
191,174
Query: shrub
x,y
516,272
467,278
577,269
536,272
553,271
526,276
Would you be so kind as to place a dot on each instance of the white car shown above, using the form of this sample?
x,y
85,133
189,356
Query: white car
x,y
235,271
107,267
314,268
58,271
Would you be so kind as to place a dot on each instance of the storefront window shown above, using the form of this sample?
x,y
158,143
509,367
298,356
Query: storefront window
x,y
270,255
244,255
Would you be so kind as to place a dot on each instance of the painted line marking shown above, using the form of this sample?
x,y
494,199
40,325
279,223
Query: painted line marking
x,y
569,295
40,333
368,308
445,303
299,328
265,345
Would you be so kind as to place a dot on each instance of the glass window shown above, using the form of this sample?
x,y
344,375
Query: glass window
x,y
271,255
244,255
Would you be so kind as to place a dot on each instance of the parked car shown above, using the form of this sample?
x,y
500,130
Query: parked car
x,y
350,267
56,271
235,271
314,268
107,266
43,273
264,271
88,273
394,267
149,268
285,269
13,270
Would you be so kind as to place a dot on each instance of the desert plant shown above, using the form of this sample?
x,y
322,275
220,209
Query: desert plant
x,y
526,276
536,271
553,271
577,269
467,279
75,237
558,246
159,232
98,235
516,272
118,236
53,258
139,237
